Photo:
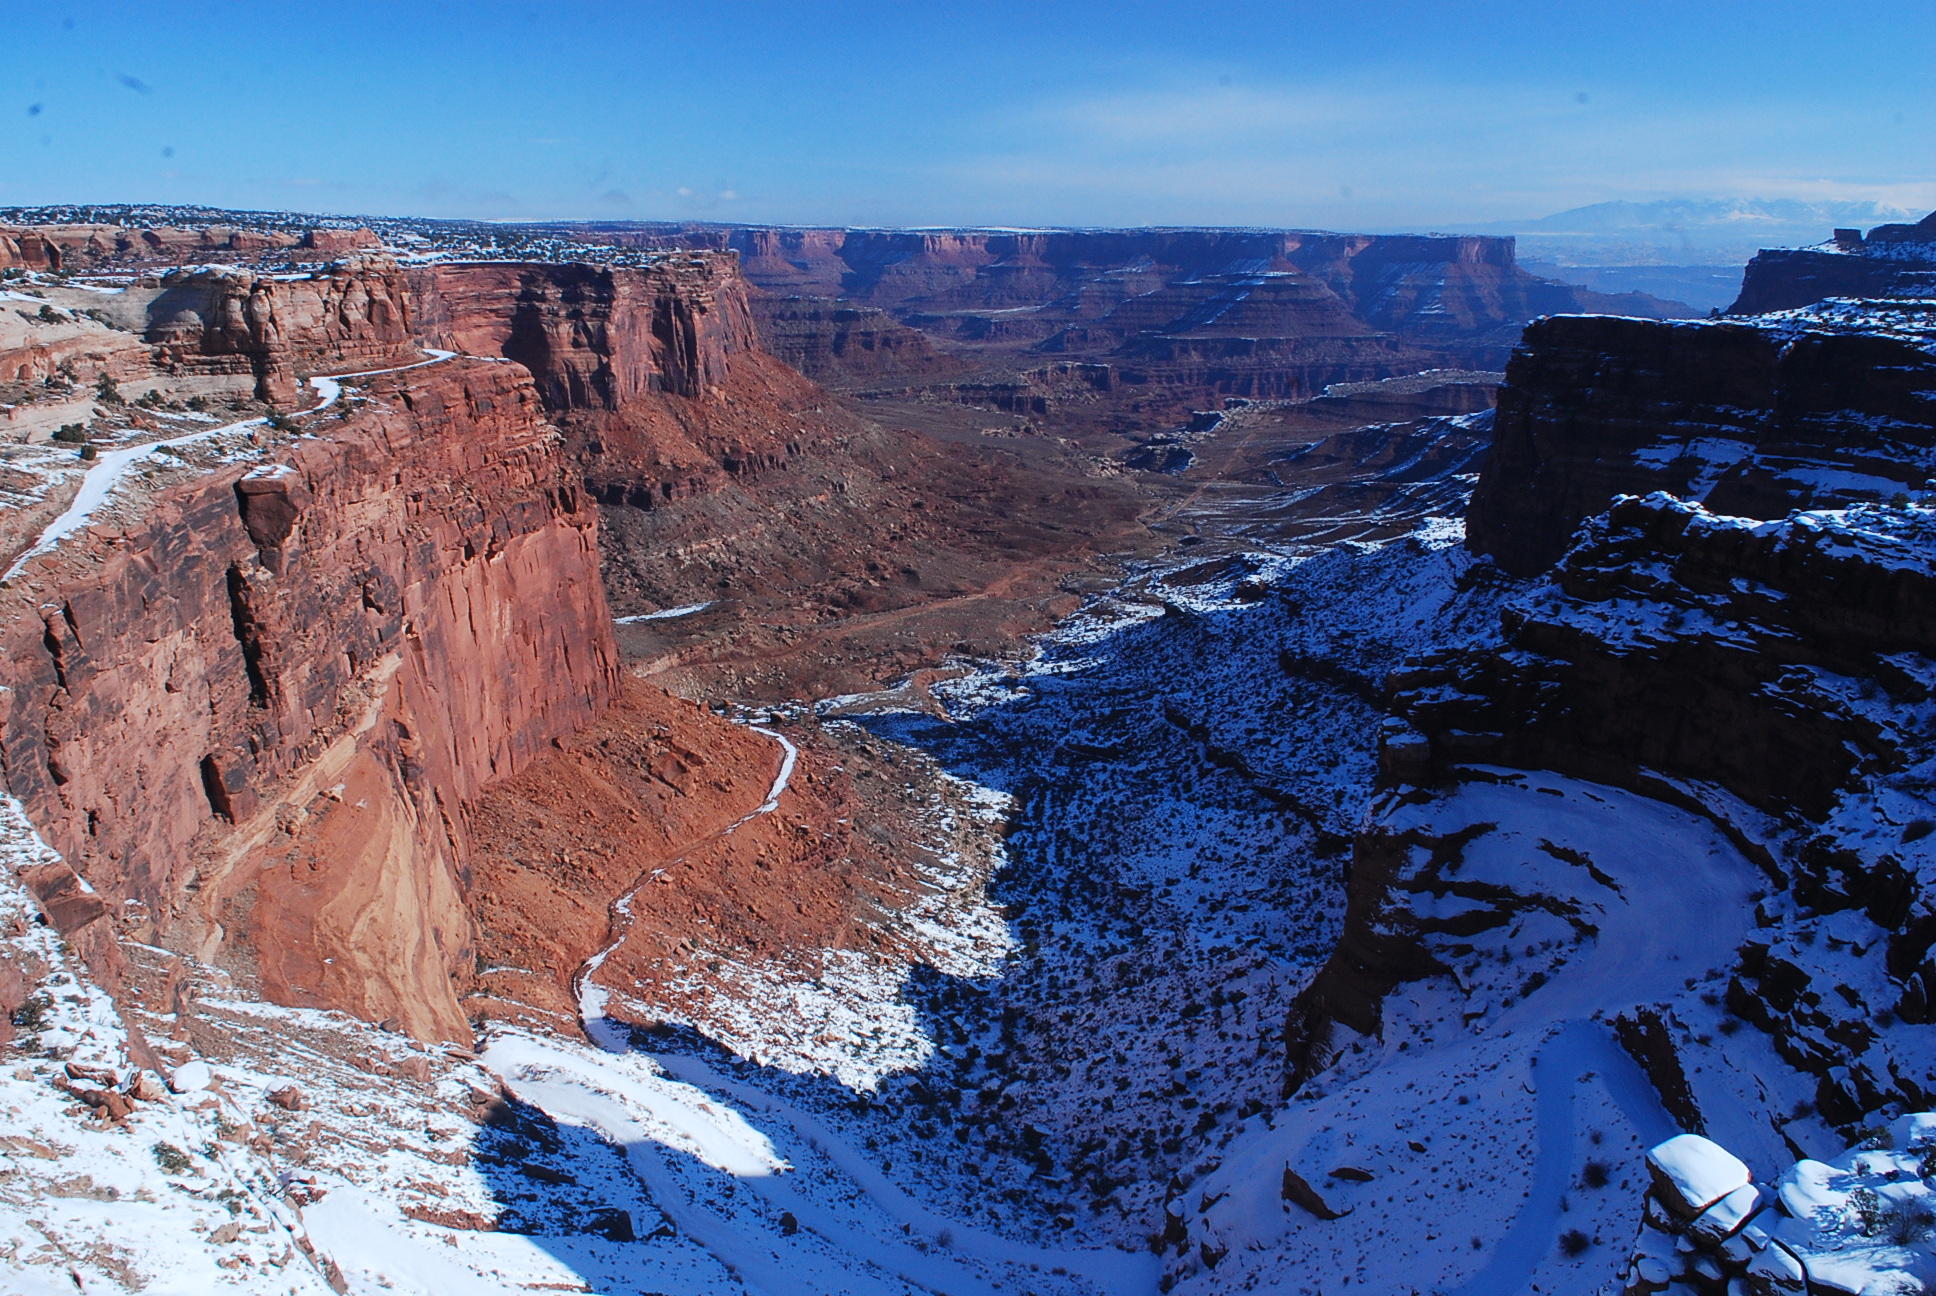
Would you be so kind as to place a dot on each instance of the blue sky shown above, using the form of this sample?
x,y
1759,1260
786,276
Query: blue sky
x,y
1336,114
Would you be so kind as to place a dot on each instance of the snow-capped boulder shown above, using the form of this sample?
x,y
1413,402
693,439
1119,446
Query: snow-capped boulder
x,y
1692,1173
191,1077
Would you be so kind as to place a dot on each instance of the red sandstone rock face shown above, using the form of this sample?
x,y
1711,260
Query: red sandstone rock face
x,y
355,315
264,711
1181,318
266,714
843,345
95,247
658,374
1428,286
27,249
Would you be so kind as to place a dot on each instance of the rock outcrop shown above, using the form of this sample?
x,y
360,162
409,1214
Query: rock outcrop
x,y
123,247
352,316
658,374
1762,659
843,345
1179,319
253,718
1891,261
1752,418
1858,1224
1452,286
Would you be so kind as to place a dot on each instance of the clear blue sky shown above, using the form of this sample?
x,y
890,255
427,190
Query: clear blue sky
x,y
1340,113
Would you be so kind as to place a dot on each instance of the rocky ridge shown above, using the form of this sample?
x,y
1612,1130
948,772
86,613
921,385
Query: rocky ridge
x,y
1721,537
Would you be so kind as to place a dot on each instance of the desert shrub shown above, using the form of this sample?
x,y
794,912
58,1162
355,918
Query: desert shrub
x,y
1871,1138
70,433
1573,1243
32,1014
171,1158
1907,1223
107,391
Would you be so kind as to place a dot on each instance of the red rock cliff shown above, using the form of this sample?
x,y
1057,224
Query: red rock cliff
x,y
657,373
354,315
256,719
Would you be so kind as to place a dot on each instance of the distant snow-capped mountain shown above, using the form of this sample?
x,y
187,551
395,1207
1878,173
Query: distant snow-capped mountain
x,y
1686,231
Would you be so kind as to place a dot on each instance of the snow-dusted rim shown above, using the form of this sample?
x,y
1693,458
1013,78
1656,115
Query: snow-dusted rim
x,y
592,998
100,481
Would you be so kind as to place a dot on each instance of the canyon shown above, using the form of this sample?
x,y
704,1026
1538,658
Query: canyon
x,y
729,759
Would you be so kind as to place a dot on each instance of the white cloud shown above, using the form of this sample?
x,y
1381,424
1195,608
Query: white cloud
x,y
1394,151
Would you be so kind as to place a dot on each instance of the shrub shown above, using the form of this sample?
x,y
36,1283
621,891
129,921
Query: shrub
x,y
171,1158
32,1014
107,391
1872,1138
1594,1174
1573,1243
1907,1223
48,315
70,433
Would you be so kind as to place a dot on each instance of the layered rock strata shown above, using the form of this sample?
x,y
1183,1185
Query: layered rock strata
x,y
1890,261
1751,418
1773,676
253,716
97,247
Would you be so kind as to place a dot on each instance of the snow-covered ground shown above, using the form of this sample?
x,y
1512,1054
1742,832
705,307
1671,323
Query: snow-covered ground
x,y
1097,992
1467,1131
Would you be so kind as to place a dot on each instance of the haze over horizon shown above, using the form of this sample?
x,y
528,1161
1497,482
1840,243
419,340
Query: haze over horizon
x,y
1128,114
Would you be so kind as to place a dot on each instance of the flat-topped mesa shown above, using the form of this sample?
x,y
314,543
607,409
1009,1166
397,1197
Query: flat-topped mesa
x,y
1752,418
657,373
120,247
595,337
1890,261
353,315
1452,286
253,709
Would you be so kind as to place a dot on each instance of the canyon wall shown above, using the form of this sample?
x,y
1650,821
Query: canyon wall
x,y
1748,419
1452,285
657,374
1890,261
1182,319
99,247
1770,675
353,316
253,718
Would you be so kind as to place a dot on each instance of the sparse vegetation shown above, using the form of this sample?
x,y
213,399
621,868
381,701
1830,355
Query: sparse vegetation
x,y
31,1015
172,1159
